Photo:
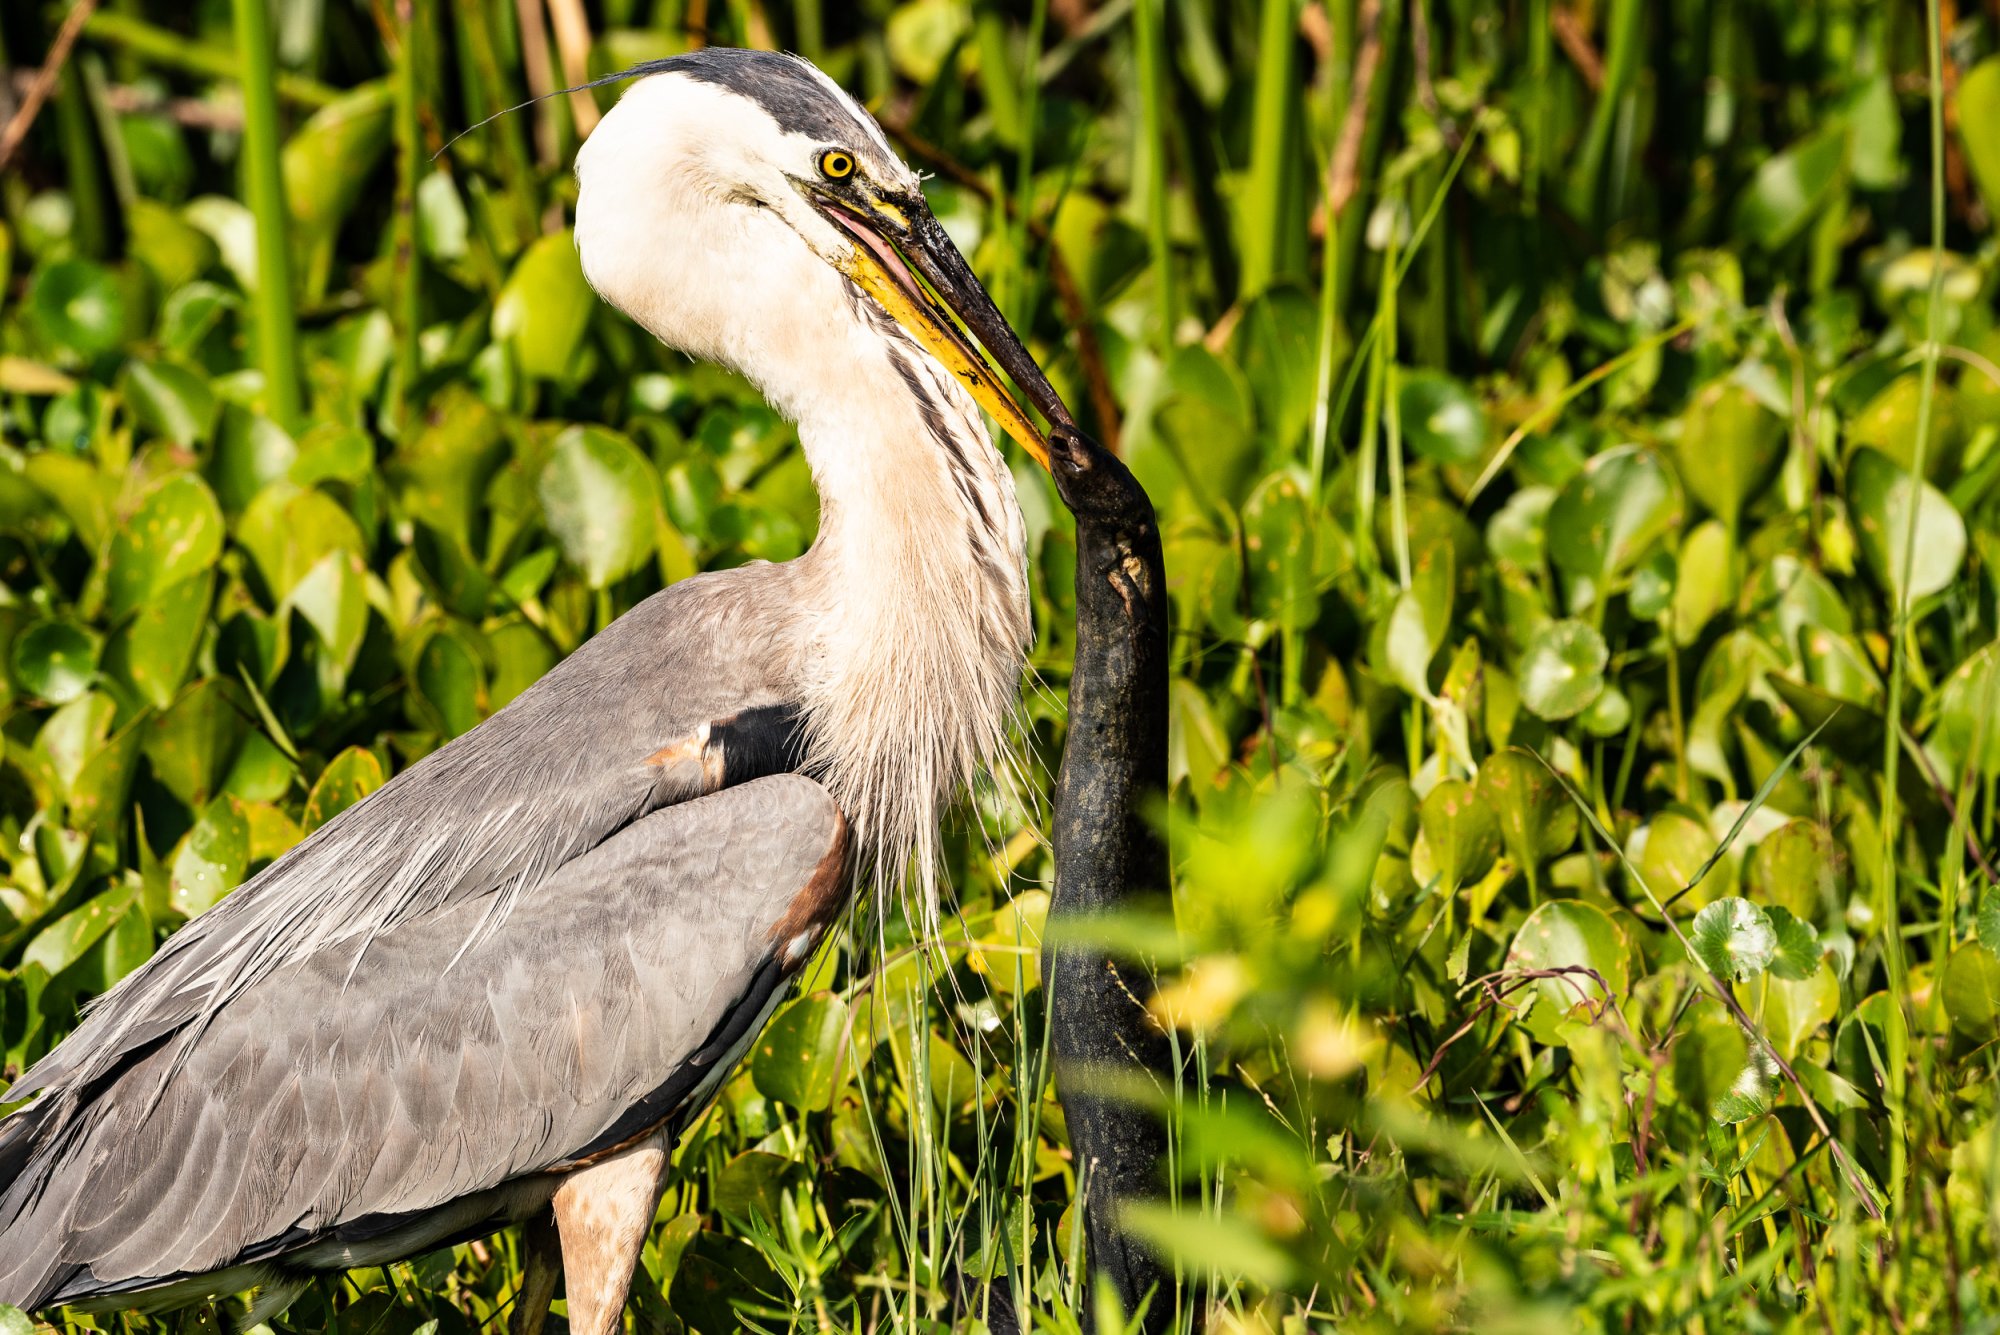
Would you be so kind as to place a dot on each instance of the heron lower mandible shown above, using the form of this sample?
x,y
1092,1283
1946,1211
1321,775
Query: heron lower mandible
x,y
495,991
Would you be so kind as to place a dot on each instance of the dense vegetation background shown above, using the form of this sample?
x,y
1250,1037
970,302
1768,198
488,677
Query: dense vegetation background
x,y
1576,427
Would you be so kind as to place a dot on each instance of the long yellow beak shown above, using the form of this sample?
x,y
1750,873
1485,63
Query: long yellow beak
x,y
878,266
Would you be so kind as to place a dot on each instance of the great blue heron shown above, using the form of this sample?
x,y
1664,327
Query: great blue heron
x,y
495,990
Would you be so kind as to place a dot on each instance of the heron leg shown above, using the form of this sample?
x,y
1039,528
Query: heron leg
x,y
603,1212
541,1267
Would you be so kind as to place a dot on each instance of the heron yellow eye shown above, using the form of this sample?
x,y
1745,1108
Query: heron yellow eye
x,y
836,165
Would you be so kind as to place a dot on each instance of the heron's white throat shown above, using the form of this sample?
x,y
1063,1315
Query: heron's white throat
x,y
911,618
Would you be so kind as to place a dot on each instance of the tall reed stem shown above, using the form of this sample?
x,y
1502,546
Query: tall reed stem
x,y
264,186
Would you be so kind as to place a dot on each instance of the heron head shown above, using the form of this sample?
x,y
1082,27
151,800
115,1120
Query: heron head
x,y
756,136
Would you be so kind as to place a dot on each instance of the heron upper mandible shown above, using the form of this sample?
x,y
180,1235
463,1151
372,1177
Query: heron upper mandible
x,y
495,991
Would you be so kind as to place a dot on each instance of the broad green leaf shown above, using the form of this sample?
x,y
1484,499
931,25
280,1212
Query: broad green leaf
x,y
1734,939
1461,830
1798,954
175,534
752,1185
289,530
1729,445
1197,746
1882,498
1799,868
1518,531
1570,934
1888,422
333,598
1790,187
1796,1006
74,484
1406,647
1536,818
601,496
1206,424
169,400
1978,113
1751,1094
327,164
544,310
13,1321
349,777
718,1278
1676,849
155,650
1442,419
1277,542
55,661
1971,992
77,306
443,469
1563,669
451,679
211,858
798,1057
1611,512
192,745
66,940
1987,922
1009,951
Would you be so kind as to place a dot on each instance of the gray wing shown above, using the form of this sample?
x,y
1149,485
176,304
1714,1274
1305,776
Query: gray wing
x,y
634,720
320,1104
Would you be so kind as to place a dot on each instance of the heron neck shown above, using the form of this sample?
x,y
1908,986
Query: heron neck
x,y
920,627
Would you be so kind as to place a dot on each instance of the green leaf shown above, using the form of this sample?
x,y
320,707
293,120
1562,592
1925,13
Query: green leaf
x,y
1570,934
1277,542
288,530
1988,921
544,310
349,777
798,1057
172,402
601,497
1751,1094
1972,992
55,661
1790,188
1882,497
1734,939
175,534
65,941
193,744
333,598
1606,517
1563,669
1729,445
1798,953
155,649
13,1321
1442,419
451,680
77,305
1978,113
1799,868
211,858
1205,426
1677,856
1536,818
1794,1007
327,165
1461,830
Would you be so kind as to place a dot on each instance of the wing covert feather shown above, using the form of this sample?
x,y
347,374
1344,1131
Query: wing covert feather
x,y
320,1097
